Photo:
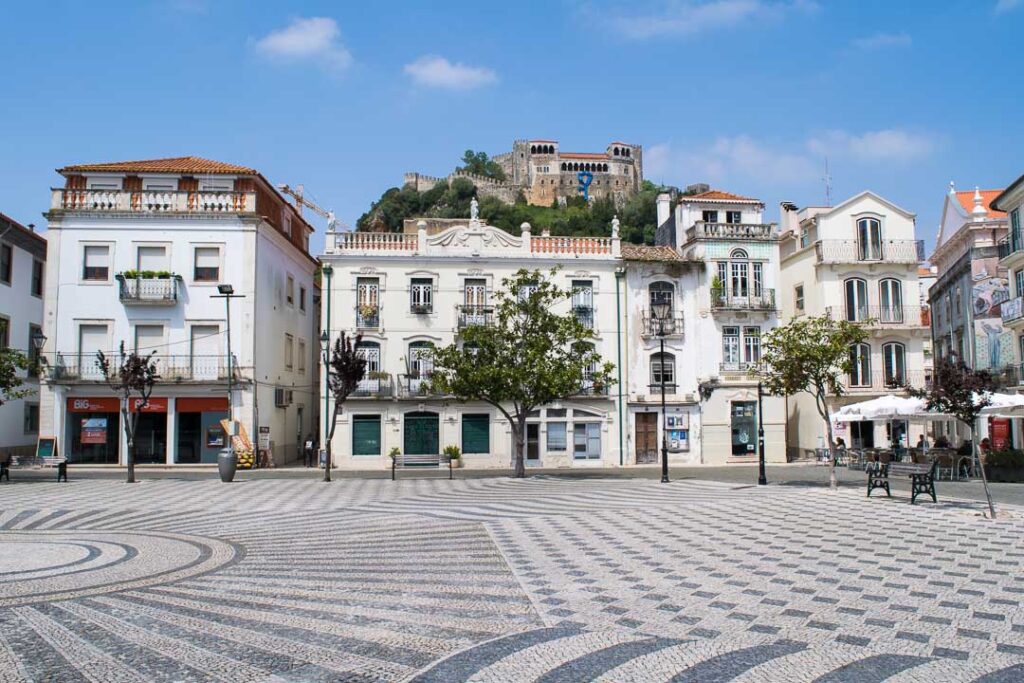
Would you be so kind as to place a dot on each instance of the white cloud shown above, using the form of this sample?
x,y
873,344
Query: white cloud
x,y
882,40
316,40
437,72
691,17
1007,5
888,145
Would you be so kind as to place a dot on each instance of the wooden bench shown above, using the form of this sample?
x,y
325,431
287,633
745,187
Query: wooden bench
x,y
11,462
420,461
922,477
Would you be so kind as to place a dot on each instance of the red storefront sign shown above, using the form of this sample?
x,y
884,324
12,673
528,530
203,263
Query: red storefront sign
x,y
94,405
201,404
999,428
155,405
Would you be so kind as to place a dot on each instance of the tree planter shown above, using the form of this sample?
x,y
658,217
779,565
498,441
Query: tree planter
x,y
456,463
1005,473
227,463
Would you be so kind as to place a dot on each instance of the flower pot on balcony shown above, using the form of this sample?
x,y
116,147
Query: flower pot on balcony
x,y
227,463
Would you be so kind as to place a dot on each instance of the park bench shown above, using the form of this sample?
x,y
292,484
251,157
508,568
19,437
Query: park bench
x,y
12,462
922,477
436,460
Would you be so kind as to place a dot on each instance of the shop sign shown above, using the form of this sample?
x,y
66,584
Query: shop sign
x,y
93,405
154,405
264,438
94,430
1000,429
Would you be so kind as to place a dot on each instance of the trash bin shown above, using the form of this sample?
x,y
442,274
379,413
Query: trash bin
x,y
227,463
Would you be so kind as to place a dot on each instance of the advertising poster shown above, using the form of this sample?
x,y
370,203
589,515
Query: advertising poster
x,y
94,430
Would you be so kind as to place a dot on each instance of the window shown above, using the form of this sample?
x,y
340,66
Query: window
x,y
583,302
733,217
152,258
891,300
526,291
366,435
302,356
663,369
805,238
869,239
894,360
91,338
207,361
586,441
860,365
207,264
758,271
421,365
661,292
421,295
6,262
1018,282
476,433
557,435
751,345
289,351
709,216
744,427
958,304
799,295
5,332
96,264
37,278
856,300
731,345
367,302
302,299
148,338
289,291
738,278
33,352
1016,244
30,424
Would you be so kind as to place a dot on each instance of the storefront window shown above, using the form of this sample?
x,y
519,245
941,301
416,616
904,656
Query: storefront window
x,y
93,431
744,428
200,434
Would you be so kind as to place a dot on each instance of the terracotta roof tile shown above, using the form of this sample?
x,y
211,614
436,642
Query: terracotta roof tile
x,y
196,165
718,195
642,252
966,199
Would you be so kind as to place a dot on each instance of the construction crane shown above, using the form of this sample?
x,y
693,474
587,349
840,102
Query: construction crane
x,y
296,193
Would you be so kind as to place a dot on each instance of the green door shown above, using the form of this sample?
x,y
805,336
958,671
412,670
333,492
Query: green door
x,y
476,434
421,434
366,435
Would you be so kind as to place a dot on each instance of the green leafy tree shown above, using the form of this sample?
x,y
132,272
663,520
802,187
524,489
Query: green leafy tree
x,y
811,355
529,357
962,392
12,364
132,379
346,367
478,163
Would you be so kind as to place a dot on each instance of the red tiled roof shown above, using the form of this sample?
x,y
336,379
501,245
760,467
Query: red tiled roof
x,y
641,252
718,195
190,165
584,155
966,199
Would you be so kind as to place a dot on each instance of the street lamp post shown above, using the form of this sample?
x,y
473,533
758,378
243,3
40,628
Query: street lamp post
x,y
325,343
662,312
762,479
227,292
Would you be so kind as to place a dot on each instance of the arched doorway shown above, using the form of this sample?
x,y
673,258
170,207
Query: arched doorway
x,y
421,434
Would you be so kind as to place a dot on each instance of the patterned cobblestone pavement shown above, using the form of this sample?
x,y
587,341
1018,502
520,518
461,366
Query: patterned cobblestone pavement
x,y
545,580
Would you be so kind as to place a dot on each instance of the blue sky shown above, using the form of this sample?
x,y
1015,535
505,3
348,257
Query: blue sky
x,y
343,97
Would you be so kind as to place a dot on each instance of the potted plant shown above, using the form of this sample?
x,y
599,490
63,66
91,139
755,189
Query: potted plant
x,y
367,310
455,455
717,290
394,452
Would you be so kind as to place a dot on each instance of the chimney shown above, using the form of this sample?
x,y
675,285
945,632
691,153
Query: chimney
x,y
664,208
787,217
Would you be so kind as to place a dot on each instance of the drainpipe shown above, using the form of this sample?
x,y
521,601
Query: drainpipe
x,y
255,338
619,272
328,272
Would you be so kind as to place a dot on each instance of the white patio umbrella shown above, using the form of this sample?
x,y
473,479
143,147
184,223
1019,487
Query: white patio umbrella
x,y
888,407
1003,405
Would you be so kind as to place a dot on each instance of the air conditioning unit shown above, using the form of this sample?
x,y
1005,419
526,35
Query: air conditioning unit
x,y
282,397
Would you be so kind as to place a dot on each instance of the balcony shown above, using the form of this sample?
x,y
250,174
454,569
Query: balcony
x,y
70,368
378,385
470,316
853,251
1012,310
546,244
1009,376
585,314
589,388
152,202
367,317
731,231
651,327
884,317
723,300
739,367
371,243
415,386
880,381
146,289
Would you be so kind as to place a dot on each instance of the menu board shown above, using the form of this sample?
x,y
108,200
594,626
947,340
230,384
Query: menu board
x,y
47,447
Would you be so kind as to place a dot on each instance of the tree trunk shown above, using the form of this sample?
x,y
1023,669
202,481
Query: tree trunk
x,y
129,430
520,469
976,429
330,441
833,482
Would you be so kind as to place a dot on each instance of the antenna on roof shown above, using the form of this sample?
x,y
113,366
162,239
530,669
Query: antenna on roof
x,y
828,184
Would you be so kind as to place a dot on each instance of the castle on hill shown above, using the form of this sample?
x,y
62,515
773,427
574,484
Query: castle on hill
x,y
544,173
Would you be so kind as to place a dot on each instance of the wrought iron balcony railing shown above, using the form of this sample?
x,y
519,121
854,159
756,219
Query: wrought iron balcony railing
x,y
375,387
585,314
590,388
1012,310
415,385
880,380
652,327
468,316
367,317
873,317
854,251
73,367
739,366
148,291
723,299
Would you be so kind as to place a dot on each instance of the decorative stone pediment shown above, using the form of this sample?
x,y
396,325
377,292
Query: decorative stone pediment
x,y
475,238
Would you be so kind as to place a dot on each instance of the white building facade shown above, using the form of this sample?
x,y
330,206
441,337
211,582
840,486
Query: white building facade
x,y
137,253
405,293
857,261
22,268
